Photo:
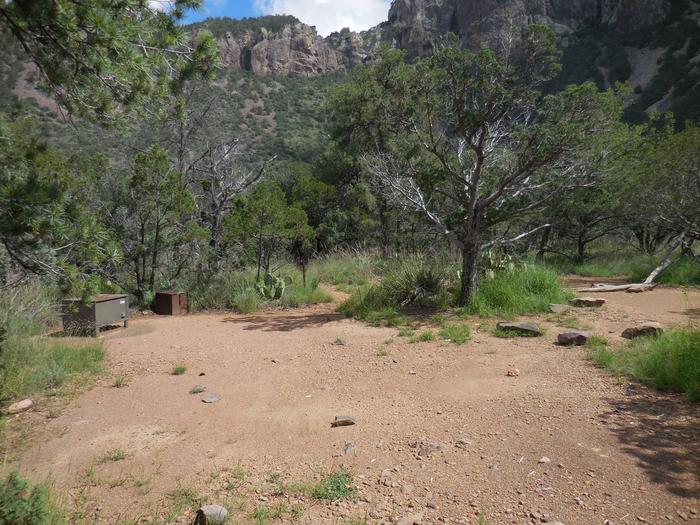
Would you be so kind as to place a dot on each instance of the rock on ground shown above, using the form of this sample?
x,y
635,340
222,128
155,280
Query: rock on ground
x,y
527,329
559,308
20,406
343,421
211,515
587,302
646,329
572,338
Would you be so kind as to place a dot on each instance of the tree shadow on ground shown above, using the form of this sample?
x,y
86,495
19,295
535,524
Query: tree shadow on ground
x,y
284,323
663,432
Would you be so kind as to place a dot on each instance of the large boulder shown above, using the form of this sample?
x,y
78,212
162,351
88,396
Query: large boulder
x,y
20,406
523,329
211,515
646,329
587,302
573,337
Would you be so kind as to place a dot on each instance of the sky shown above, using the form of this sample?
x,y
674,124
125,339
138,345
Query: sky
x,y
326,15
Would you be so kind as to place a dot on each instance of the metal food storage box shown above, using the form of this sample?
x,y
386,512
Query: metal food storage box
x,y
97,312
171,303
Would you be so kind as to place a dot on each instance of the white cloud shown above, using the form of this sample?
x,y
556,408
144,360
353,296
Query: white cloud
x,y
329,15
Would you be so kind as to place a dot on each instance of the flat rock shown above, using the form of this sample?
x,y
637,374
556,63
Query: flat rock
x,y
20,406
349,448
573,337
211,515
343,421
414,519
559,308
211,399
645,329
526,329
428,448
587,302
513,372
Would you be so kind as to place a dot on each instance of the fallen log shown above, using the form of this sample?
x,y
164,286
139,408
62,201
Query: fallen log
x,y
632,288
648,283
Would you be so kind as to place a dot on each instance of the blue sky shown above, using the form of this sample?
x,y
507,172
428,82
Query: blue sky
x,y
326,15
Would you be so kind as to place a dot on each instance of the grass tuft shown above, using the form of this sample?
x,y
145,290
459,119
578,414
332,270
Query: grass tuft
x,y
179,370
423,337
670,361
456,333
112,456
334,486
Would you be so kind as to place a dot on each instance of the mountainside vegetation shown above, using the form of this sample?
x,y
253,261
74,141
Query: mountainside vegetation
x,y
503,153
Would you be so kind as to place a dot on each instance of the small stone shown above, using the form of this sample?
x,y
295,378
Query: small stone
x,y
640,518
587,302
414,519
384,476
463,442
406,489
431,504
202,374
559,308
682,515
211,515
211,399
524,329
578,501
20,406
427,448
198,389
349,448
645,329
276,361
573,337
513,372
343,421
544,459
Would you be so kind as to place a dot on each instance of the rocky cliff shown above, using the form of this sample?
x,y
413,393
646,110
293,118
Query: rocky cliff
x,y
283,45
295,48
415,24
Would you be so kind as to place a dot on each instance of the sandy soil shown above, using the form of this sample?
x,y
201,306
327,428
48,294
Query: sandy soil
x,y
562,441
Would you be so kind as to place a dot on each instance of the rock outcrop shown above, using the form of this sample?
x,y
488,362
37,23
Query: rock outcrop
x,y
295,49
417,25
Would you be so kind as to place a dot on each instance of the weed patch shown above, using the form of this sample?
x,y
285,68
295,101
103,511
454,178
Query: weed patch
x,y
335,486
668,362
456,333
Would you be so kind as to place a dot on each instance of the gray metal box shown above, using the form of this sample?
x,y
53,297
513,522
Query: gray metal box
x,y
95,313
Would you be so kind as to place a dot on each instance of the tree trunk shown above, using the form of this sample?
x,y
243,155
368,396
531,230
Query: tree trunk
x,y
470,269
668,259
543,243
303,274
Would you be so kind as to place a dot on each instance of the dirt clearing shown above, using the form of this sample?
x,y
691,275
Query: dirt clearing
x,y
442,433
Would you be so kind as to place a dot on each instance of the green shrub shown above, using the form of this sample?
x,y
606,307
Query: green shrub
x,y
179,370
344,270
457,333
526,290
23,504
335,486
423,337
669,362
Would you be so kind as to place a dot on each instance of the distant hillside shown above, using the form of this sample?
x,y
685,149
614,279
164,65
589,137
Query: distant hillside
x,y
276,70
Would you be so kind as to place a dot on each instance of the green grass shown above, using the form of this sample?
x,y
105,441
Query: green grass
x,y
407,332
631,265
24,504
456,333
334,486
112,456
507,333
526,290
344,270
179,370
423,337
236,290
120,382
30,362
668,362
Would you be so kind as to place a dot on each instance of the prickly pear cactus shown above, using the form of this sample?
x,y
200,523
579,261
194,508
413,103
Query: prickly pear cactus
x,y
271,287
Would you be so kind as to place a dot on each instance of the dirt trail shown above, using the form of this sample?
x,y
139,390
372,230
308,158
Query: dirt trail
x,y
563,441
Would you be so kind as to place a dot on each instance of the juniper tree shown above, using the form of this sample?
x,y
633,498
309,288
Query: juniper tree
x,y
470,140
